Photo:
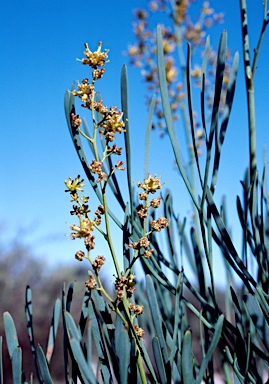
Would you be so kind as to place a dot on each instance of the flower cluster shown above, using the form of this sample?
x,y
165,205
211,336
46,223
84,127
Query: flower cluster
x,y
182,29
125,283
85,226
109,121
94,59
136,309
150,186
139,331
91,283
98,262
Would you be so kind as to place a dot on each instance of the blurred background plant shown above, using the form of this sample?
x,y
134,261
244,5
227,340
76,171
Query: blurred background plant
x,y
180,28
105,341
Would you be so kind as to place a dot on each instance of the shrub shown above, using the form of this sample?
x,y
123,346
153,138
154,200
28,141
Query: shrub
x,y
139,330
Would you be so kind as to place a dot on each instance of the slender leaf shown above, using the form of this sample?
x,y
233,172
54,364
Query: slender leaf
x,y
85,370
229,97
204,63
156,317
123,348
17,365
11,333
212,347
29,323
104,310
156,271
220,66
199,263
1,361
169,231
225,118
227,240
167,112
148,134
43,366
159,360
191,113
65,335
178,313
100,345
84,313
124,104
187,359
53,330
71,326
258,318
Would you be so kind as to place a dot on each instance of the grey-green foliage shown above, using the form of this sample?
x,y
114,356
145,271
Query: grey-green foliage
x,y
241,337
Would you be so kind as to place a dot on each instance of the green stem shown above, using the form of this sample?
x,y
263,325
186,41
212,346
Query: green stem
x,y
250,93
141,368
86,136
108,235
256,50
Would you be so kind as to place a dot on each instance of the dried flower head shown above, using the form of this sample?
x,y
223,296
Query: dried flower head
x,y
98,262
79,255
96,167
139,331
155,203
89,242
127,283
91,283
76,120
144,242
147,253
143,196
137,309
98,73
141,211
159,224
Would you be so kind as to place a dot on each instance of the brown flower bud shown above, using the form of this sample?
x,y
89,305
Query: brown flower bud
x,y
79,255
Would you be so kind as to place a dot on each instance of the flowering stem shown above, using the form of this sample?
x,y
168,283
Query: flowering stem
x,y
141,368
95,128
108,235
86,137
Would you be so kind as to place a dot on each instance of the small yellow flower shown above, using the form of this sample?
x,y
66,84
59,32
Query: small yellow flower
x,y
84,229
74,185
95,59
85,90
113,121
170,71
151,184
133,50
196,72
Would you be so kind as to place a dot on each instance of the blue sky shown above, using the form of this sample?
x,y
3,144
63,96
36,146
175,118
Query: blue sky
x,y
39,45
